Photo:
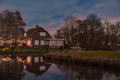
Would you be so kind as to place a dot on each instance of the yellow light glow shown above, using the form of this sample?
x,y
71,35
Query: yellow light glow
x,y
28,42
29,59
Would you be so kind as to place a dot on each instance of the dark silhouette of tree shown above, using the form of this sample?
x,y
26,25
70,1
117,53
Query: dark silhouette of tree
x,y
90,33
11,24
68,30
112,35
96,31
82,34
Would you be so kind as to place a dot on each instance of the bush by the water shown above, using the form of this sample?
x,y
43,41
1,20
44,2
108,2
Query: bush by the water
x,y
6,49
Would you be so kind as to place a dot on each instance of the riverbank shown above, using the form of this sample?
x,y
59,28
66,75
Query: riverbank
x,y
28,50
105,59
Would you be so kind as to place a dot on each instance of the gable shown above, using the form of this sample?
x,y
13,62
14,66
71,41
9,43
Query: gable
x,y
38,33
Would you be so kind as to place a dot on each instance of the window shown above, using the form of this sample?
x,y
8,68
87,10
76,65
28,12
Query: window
x,y
42,33
53,43
29,59
36,60
42,42
28,42
46,42
60,43
42,68
36,42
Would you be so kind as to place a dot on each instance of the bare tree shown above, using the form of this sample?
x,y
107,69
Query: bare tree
x,y
70,25
96,31
90,34
68,30
112,35
11,24
82,34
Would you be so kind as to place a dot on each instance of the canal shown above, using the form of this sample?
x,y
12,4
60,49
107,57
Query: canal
x,y
33,67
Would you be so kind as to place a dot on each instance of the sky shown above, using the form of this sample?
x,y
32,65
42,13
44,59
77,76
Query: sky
x,y
50,14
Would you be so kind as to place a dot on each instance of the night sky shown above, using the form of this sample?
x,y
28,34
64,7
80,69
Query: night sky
x,y
51,13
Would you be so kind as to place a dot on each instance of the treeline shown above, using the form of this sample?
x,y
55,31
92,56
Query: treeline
x,y
90,33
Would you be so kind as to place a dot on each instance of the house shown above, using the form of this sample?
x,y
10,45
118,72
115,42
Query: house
x,y
38,37
35,37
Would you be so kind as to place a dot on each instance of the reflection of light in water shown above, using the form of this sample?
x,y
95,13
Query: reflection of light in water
x,y
41,59
36,59
42,68
109,76
29,59
24,67
19,59
6,59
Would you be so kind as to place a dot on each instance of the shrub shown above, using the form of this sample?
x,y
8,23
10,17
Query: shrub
x,y
6,49
24,45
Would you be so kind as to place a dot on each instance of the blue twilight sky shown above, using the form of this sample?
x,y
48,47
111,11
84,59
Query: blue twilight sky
x,y
50,13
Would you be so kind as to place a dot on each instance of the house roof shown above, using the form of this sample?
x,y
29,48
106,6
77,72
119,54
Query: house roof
x,y
33,32
37,28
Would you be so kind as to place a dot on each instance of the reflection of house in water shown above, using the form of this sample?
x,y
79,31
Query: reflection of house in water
x,y
12,68
36,65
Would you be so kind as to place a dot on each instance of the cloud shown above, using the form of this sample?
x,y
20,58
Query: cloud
x,y
99,5
50,13
52,26
107,3
112,19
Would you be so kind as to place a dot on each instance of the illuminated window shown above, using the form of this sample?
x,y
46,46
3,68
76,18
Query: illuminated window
x,y
28,42
29,59
36,42
42,33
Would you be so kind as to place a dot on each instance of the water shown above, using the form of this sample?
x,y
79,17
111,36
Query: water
x,y
33,67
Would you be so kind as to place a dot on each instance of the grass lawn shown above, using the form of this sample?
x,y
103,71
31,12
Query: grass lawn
x,y
39,49
109,54
32,49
